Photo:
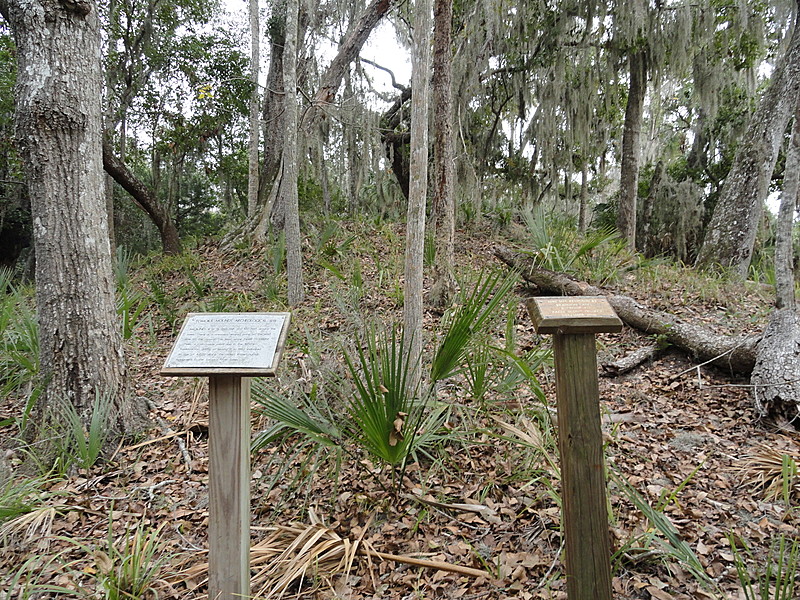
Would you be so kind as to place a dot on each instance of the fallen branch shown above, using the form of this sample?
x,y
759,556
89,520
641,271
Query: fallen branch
x,y
630,361
735,354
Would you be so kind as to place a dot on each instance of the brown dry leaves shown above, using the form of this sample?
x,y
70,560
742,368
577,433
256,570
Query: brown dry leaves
x,y
488,500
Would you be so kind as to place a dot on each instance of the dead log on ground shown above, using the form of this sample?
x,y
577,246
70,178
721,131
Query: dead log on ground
x,y
630,361
734,354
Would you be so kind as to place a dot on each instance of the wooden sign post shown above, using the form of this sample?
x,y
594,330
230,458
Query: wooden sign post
x,y
229,348
574,323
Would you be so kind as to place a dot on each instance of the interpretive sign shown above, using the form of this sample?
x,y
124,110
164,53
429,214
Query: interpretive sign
x,y
568,314
247,344
229,348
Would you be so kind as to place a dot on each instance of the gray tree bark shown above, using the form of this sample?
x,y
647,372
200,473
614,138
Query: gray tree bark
x,y
444,206
348,51
776,375
59,131
418,190
288,189
255,105
731,233
629,167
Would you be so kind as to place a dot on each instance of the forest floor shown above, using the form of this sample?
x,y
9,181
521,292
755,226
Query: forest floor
x,y
486,496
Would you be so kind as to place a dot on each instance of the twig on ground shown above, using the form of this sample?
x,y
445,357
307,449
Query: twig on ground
x,y
187,458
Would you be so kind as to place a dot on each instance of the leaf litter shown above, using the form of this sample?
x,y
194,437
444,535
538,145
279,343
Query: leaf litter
x,y
487,500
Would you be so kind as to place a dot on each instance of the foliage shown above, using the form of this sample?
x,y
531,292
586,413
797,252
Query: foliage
x,y
19,337
131,301
777,578
670,541
467,320
556,245
385,411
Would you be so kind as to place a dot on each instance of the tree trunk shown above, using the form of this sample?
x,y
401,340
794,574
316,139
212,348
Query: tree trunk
x,y
272,114
733,354
59,130
731,233
145,198
418,191
645,232
584,197
348,51
629,167
288,194
776,376
444,208
252,154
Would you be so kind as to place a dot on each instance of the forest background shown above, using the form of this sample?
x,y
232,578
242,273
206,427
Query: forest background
x,y
606,139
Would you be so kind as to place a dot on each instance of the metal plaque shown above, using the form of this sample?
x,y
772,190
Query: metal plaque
x,y
232,343
573,314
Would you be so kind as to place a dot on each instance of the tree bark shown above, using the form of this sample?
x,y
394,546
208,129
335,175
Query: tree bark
x,y
444,206
731,233
252,154
415,221
348,51
59,131
583,208
629,167
288,193
645,227
776,376
272,114
145,198
733,354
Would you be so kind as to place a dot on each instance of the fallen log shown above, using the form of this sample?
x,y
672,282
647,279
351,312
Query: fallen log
x,y
629,362
734,354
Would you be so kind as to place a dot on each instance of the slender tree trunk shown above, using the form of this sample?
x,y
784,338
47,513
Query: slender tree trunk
x,y
731,233
288,194
145,198
252,163
59,131
645,232
444,208
418,190
629,167
584,197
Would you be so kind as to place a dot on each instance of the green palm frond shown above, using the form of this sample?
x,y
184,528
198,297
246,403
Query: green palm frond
x,y
469,319
301,416
384,411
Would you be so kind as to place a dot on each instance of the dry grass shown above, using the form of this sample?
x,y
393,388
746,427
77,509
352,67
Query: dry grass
x,y
310,557
773,471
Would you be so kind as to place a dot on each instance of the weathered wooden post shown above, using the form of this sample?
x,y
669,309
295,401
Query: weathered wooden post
x,y
229,348
574,323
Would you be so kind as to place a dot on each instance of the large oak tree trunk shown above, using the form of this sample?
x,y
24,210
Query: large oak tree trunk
x,y
59,129
348,51
731,234
776,376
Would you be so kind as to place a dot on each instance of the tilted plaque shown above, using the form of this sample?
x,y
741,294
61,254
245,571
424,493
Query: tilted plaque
x,y
248,344
573,314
